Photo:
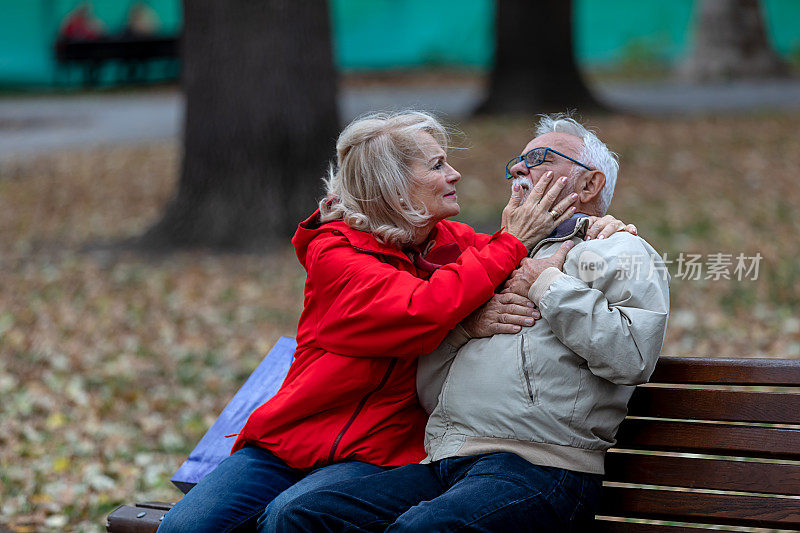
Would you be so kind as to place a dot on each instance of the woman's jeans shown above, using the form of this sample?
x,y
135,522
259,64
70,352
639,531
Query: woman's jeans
x,y
490,492
235,495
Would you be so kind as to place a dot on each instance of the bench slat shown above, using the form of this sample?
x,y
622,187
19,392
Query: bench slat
x,y
778,372
162,506
720,439
607,526
727,405
729,509
699,473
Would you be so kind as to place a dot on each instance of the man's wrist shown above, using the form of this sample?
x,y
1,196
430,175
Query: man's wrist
x,y
457,337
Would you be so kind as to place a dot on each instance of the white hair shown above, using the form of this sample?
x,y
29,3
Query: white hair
x,y
594,153
371,186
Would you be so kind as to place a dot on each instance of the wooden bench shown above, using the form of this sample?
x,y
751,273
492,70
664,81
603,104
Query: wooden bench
x,y
707,441
130,51
728,429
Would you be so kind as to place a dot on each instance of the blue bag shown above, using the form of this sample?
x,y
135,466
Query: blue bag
x,y
262,384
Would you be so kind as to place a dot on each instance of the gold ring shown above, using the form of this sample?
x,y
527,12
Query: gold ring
x,y
554,215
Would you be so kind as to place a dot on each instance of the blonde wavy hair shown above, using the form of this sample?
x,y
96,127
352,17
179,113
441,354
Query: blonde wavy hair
x,y
371,186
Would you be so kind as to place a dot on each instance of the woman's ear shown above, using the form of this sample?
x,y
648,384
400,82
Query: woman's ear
x,y
590,185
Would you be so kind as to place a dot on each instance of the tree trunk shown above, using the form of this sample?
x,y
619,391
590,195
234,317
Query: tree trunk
x,y
535,69
261,122
731,43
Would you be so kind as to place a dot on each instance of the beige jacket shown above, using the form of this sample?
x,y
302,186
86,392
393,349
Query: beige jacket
x,y
556,392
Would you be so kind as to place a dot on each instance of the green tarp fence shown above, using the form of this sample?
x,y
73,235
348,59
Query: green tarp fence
x,y
389,34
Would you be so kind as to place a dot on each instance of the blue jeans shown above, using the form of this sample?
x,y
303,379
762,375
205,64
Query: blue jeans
x,y
490,492
246,490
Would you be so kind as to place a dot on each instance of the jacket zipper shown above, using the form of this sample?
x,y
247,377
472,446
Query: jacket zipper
x,y
525,368
359,407
579,231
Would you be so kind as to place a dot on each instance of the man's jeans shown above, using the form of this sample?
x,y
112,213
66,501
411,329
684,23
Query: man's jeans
x,y
490,492
234,496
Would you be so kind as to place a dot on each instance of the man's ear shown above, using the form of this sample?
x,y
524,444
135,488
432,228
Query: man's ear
x,y
589,186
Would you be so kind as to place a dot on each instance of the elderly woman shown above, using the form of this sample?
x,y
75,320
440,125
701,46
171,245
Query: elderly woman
x,y
387,278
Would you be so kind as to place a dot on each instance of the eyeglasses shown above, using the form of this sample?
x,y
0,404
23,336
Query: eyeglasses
x,y
535,157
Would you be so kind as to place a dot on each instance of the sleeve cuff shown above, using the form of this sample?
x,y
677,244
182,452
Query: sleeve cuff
x,y
457,337
542,283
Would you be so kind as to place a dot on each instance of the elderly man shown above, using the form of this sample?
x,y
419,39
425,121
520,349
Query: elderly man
x,y
520,423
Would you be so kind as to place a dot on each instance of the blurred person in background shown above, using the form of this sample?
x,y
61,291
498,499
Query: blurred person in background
x,y
388,276
519,424
81,25
142,21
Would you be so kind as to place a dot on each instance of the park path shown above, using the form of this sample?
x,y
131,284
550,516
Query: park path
x,y
35,124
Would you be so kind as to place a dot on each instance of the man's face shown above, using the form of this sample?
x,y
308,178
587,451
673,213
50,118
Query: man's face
x,y
563,142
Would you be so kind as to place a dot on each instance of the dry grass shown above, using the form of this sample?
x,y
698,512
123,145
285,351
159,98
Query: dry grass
x,y
113,365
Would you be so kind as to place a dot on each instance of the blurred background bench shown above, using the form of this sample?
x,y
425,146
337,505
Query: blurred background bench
x,y
133,54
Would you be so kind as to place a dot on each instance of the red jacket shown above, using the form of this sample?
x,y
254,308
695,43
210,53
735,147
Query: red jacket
x,y
350,393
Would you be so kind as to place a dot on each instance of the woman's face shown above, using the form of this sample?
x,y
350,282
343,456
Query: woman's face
x,y
435,180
